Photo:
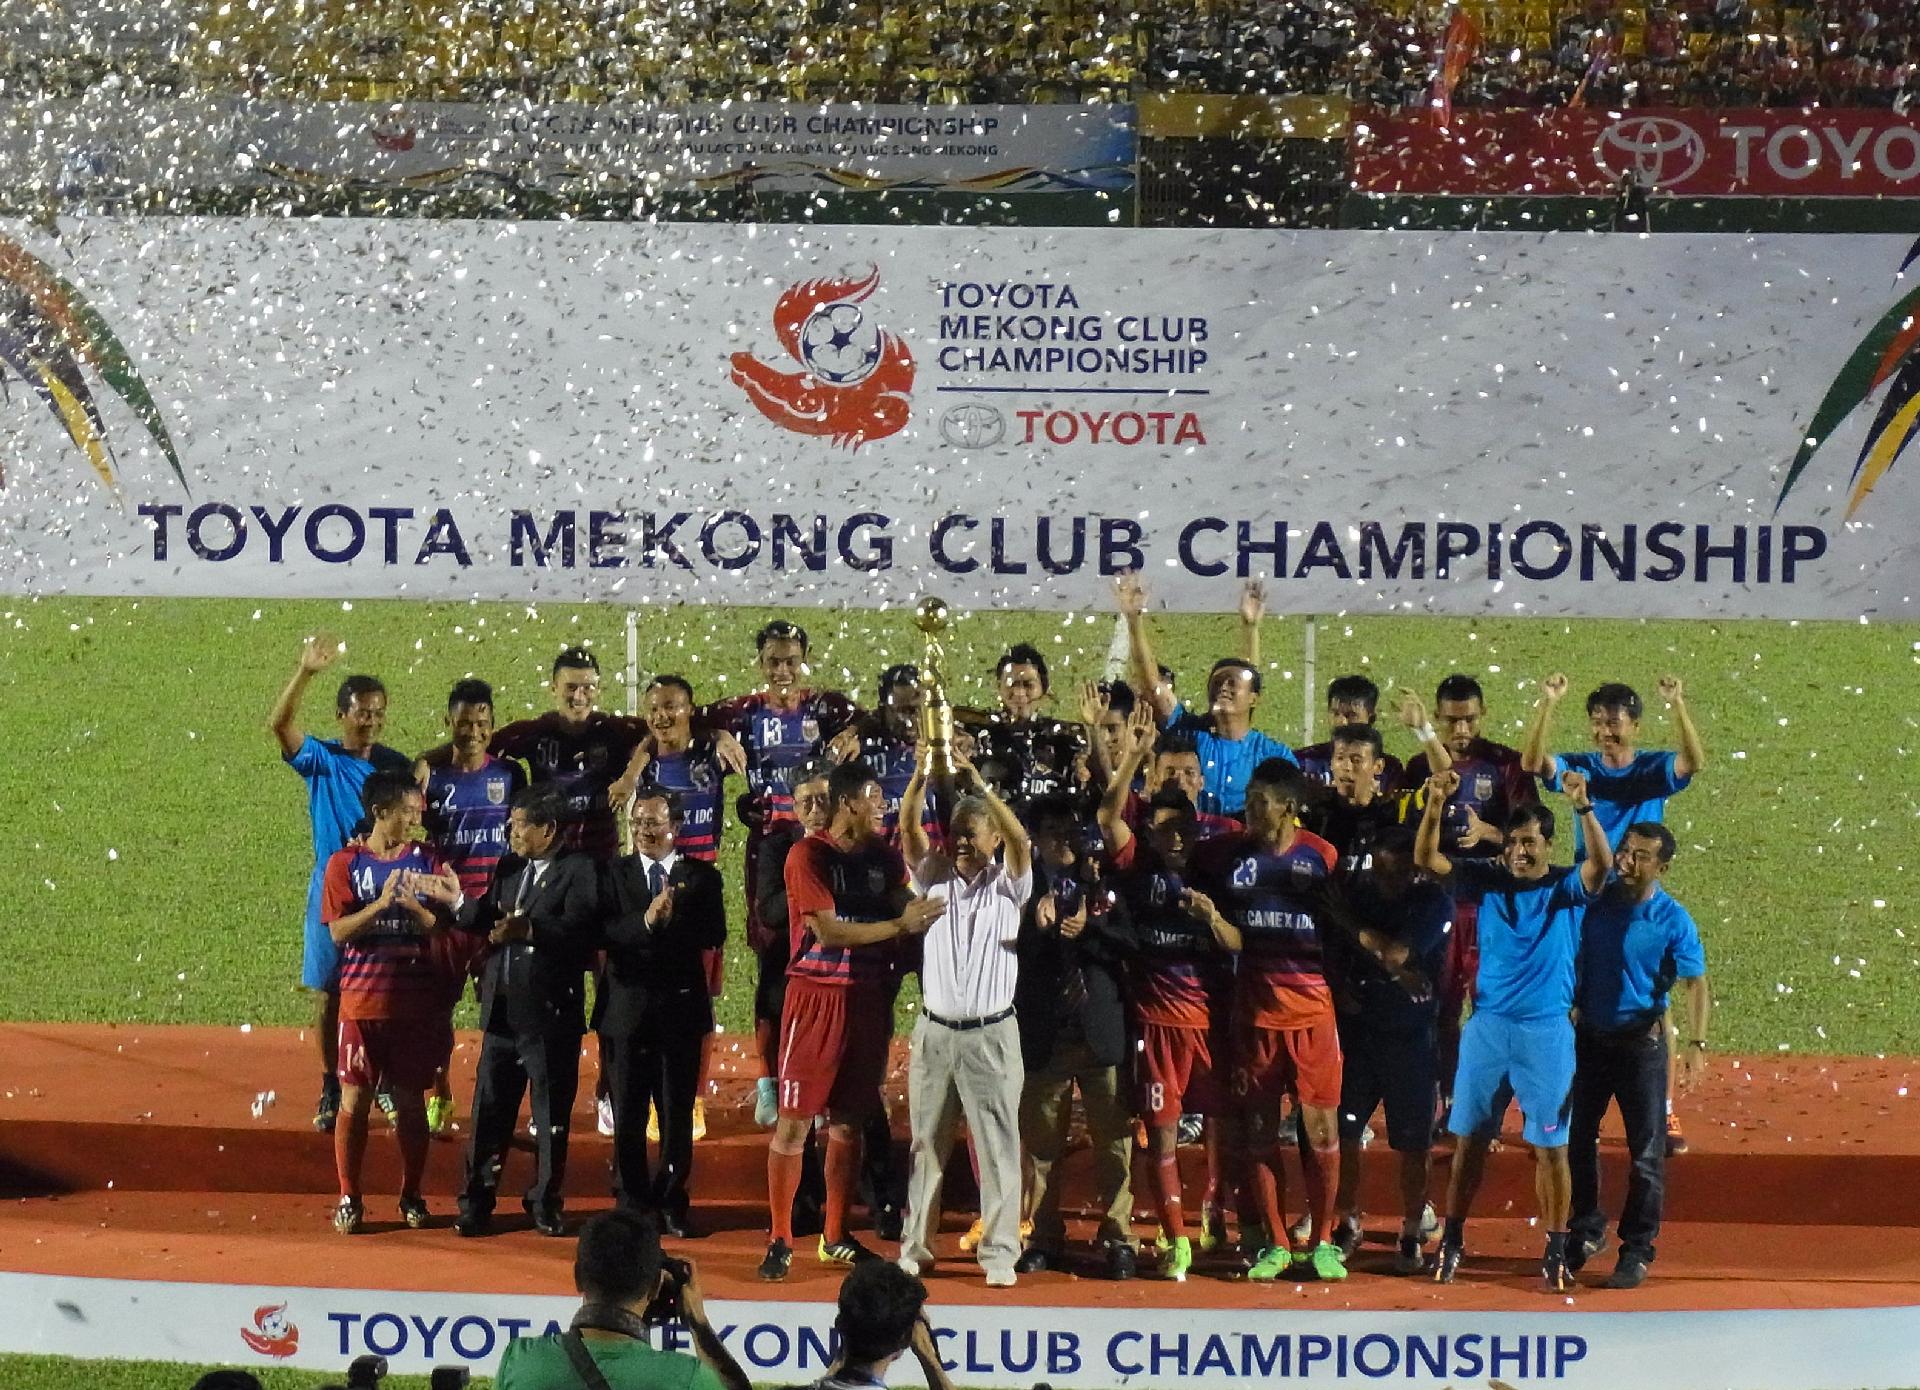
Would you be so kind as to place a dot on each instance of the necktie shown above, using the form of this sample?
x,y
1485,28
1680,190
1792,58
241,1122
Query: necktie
x,y
656,879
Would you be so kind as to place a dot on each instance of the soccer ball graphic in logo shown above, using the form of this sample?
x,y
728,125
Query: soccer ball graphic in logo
x,y
838,346
273,1333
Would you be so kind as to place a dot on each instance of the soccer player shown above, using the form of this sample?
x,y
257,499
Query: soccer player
x,y
1358,812
1388,1047
1629,784
1519,1043
335,771
1261,892
847,902
466,826
1491,785
1635,944
382,900
693,766
577,749
1353,700
782,725
1228,744
1040,753
1175,765
1175,975
888,741
966,1045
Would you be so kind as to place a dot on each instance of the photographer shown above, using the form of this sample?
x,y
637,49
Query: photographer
x,y
625,1285
881,1317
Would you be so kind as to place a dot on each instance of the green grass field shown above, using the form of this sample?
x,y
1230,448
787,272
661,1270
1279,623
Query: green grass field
x,y
62,1373
157,863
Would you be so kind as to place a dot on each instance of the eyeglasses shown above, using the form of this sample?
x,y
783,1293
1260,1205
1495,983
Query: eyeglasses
x,y
652,822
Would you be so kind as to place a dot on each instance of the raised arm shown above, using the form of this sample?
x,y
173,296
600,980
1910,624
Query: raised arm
x,y
283,723
1253,607
1599,861
1426,839
1535,754
1413,714
914,843
1093,708
1131,595
1013,835
1111,816
1692,753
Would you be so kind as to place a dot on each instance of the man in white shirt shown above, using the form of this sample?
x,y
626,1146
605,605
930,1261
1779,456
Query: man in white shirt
x,y
966,1046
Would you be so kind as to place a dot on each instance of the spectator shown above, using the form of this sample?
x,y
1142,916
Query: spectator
x,y
624,1286
881,1315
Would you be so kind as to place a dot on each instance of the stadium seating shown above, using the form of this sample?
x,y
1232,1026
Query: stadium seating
x,y
1532,53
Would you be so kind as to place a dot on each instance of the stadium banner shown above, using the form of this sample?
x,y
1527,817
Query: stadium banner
x,y
1590,152
105,149
1452,423
994,1344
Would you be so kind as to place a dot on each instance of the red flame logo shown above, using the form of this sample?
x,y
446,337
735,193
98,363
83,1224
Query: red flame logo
x,y
854,380
271,1333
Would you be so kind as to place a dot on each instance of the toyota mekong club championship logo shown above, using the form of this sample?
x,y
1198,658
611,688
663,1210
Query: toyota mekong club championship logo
x,y
855,377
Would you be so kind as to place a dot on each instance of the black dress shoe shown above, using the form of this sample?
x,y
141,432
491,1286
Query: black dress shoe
x,y
887,1222
1121,1262
679,1225
549,1223
473,1223
1036,1259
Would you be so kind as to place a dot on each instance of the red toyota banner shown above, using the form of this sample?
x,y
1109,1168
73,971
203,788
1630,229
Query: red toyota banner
x,y
1687,153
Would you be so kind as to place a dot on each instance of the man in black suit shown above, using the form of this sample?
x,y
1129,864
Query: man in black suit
x,y
661,909
1073,1035
539,916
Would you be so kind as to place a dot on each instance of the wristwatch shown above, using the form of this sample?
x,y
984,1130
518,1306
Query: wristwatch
x,y
1582,810
1700,1043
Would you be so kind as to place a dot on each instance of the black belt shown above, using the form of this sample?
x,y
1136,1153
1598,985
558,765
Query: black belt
x,y
967,1025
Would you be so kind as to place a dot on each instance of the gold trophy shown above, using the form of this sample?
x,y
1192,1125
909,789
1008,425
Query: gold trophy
x,y
936,714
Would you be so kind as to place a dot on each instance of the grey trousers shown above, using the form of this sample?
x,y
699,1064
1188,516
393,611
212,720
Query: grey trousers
x,y
977,1072
1046,1109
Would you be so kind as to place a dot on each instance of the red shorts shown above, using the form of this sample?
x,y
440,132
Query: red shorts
x,y
1269,1063
1174,1071
833,1047
1461,965
399,1052
714,962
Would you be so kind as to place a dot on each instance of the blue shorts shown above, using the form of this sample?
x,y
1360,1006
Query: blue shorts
x,y
1502,1060
1399,1070
320,960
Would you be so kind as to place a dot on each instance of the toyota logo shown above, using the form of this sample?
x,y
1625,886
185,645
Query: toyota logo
x,y
1656,151
973,425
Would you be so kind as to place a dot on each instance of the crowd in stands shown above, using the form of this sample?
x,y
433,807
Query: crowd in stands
x,y
1539,53
1533,53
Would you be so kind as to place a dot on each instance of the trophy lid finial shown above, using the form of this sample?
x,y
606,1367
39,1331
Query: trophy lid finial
x,y
930,616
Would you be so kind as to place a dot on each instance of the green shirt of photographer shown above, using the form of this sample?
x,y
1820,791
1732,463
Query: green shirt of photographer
x,y
540,1363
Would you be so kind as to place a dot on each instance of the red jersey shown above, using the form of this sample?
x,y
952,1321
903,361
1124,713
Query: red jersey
x,y
862,884
390,970
1492,784
1273,898
1179,969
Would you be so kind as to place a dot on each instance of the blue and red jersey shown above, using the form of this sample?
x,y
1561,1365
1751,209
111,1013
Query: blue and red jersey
x,y
1178,971
581,760
1274,899
893,760
696,775
860,884
777,741
466,818
390,970
1492,786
